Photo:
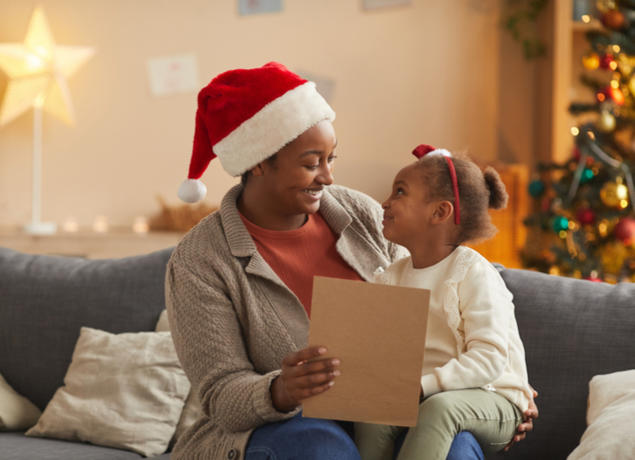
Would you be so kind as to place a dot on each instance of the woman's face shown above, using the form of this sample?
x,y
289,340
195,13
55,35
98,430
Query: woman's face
x,y
295,180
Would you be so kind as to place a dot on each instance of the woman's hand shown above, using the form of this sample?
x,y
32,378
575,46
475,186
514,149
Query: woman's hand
x,y
528,421
303,376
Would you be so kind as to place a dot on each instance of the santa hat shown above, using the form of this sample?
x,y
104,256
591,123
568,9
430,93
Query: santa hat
x,y
427,150
244,116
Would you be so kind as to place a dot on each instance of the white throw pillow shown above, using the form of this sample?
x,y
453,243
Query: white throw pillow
x,y
192,410
121,390
16,412
611,422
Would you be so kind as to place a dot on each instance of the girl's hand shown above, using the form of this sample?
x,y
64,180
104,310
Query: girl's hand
x,y
303,375
528,422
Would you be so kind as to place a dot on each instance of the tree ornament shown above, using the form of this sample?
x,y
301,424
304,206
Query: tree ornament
x,y
613,19
536,188
587,175
591,61
613,257
614,194
602,95
606,60
616,95
560,224
586,216
605,5
625,231
606,123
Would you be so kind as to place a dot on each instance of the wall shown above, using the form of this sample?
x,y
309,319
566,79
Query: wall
x,y
430,72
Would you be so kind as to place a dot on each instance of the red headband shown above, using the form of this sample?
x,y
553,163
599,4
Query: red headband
x,y
422,150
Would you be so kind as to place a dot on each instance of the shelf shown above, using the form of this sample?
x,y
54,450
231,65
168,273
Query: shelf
x,y
579,26
90,245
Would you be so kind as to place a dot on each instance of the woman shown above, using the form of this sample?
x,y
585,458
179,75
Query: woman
x,y
238,286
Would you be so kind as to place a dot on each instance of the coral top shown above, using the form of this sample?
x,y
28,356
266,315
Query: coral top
x,y
298,255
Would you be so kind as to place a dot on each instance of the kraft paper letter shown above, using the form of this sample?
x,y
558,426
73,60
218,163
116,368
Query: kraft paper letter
x,y
378,332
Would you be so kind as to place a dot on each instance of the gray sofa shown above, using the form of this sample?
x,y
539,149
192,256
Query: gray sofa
x,y
571,329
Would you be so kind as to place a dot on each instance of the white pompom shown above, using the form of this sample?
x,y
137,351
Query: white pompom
x,y
442,152
192,190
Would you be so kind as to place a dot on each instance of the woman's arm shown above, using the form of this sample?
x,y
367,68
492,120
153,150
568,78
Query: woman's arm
x,y
209,342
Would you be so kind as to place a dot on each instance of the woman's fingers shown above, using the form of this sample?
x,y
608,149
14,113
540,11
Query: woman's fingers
x,y
304,355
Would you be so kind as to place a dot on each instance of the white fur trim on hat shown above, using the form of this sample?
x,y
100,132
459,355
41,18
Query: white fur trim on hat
x,y
192,190
273,127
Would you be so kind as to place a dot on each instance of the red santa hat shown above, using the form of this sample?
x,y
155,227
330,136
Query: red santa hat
x,y
244,116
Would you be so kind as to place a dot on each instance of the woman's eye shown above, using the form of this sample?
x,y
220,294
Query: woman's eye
x,y
399,191
311,167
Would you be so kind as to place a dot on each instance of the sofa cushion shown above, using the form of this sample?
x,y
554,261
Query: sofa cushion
x,y
572,330
611,430
16,412
16,446
44,300
121,390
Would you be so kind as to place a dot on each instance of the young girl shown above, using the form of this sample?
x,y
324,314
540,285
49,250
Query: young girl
x,y
474,376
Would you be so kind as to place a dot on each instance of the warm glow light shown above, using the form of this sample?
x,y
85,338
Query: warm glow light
x,y
613,65
616,49
586,18
623,204
100,225
591,135
70,225
615,84
140,225
38,68
575,131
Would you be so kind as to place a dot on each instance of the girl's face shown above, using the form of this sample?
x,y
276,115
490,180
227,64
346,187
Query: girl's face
x,y
408,211
295,180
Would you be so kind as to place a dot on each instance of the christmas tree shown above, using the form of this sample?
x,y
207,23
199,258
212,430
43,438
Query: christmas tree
x,y
583,221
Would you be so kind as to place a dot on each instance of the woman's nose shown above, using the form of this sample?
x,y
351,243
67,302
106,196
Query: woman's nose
x,y
326,175
385,205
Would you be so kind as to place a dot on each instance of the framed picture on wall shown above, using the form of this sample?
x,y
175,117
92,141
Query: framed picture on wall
x,y
247,7
374,4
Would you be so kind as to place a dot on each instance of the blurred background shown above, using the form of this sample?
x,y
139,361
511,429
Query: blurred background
x,y
494,78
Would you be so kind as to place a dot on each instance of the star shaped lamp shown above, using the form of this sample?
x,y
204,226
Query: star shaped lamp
x,y
37,71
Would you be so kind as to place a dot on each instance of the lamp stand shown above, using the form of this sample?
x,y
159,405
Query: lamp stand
x,y
37,227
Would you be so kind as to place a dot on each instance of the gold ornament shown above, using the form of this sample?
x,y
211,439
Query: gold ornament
x,y
606,122
614,194
591,61
605,5
613,257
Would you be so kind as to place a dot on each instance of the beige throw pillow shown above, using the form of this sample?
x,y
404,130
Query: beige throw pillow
x,y
611,424
192,410
121,390
16,412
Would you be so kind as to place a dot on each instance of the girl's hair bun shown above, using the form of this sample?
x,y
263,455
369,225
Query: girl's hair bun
x,y
497,194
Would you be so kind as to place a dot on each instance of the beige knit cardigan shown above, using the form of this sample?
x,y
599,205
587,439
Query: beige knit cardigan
x,y
233,320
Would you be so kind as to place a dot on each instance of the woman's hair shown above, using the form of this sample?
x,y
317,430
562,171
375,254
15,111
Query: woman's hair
x,y
478,191
245,176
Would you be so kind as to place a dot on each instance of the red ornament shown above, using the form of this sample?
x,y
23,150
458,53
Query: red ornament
x,y
595,279
606,60
602,95
613,19
585,216
625,231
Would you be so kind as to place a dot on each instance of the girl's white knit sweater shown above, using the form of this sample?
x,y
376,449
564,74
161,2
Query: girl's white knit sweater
x,y
472,338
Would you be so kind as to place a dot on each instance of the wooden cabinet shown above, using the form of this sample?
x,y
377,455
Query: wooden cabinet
x,y
558,77
506,245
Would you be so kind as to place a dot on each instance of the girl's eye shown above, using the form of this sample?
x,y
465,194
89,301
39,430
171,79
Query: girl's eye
x,y
332,158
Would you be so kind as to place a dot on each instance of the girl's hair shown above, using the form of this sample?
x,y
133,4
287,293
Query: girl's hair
x,y
478,191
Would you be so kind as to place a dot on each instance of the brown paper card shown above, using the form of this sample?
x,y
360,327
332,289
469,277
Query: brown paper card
x,y
378,332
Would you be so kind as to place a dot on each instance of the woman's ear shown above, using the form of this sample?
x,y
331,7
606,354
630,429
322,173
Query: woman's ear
x,y
442,212
258,170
